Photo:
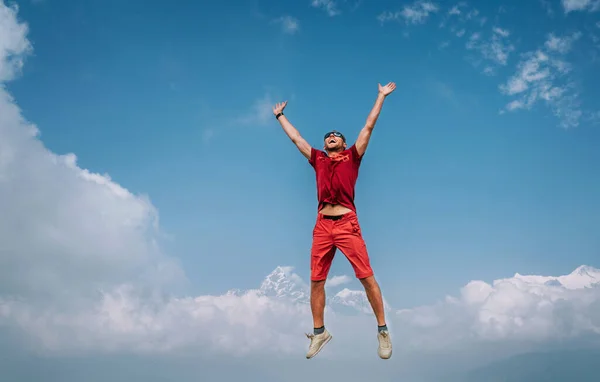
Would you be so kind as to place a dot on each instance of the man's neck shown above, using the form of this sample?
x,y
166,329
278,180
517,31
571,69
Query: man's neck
x,y
333,153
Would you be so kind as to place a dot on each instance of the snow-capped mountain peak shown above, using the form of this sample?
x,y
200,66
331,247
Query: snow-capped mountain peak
x,y
282,282
356,299
583,276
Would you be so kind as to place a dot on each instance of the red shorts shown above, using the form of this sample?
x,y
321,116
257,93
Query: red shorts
x,y
343,234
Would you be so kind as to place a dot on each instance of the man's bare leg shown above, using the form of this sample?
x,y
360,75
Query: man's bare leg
x,y
376,300
317,302
321,336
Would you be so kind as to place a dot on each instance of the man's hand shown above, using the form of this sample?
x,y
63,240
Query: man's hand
x,y
278,108
387,89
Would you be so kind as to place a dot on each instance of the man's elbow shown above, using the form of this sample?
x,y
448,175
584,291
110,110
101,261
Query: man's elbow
x,y
368,128
295,138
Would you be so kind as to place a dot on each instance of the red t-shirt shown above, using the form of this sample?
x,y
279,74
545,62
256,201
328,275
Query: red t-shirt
x,y
336,176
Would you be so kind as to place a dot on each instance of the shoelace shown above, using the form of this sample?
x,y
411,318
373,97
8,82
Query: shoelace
x,y
385,338
312,338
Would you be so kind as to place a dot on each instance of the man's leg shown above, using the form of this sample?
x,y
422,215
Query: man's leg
x,y
317,304
375,299
322,253
348,238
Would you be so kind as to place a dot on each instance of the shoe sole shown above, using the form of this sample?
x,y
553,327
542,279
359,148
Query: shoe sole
x,y
321,347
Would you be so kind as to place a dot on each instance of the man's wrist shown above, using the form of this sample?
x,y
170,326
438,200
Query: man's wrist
x,y
278,115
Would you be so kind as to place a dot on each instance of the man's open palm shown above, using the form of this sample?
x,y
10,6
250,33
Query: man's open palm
x,y
387,89
278,108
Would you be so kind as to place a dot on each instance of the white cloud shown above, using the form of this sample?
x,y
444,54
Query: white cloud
x,y
328,6
522,308
581,5
473,16
455,10
62,225
459,16
543,76
338,280
288,24
66,234
13,44
561,44
501,32
496,49
417,13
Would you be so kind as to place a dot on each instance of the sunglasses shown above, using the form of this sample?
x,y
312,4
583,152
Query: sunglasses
x,y
335,133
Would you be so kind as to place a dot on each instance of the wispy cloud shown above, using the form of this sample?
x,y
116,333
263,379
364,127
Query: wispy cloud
x,y
459,15
581,5
329,6
473,15
547,6
259,113
417,13
289,24
561,44
495,50
456,9
543,76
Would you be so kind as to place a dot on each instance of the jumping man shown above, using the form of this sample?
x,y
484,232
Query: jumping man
x,y
337,224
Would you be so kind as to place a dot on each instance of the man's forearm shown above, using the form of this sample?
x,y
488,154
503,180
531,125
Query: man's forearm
x,y
374,114
289,129
295,136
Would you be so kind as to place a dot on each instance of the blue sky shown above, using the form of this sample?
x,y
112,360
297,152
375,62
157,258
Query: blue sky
x,y
143,176
174,102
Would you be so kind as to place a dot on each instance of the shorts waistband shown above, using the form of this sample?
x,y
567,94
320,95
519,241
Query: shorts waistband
x,y
345,216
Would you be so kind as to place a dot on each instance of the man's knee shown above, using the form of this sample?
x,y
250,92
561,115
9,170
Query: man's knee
x,y
368,281
317,284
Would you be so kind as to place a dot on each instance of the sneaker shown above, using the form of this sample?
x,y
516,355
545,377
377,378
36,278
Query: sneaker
x,y
385,344
317,341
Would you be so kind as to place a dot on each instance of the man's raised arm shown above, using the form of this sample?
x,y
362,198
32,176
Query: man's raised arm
x,y
365,134
290,130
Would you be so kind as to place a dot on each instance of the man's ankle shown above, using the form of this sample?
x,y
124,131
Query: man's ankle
x,y
381,328
319,330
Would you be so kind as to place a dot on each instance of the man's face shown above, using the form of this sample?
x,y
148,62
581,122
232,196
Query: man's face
x,y
334,141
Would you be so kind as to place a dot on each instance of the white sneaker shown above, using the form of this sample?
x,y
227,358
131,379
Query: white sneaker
x,y
317,341
385,344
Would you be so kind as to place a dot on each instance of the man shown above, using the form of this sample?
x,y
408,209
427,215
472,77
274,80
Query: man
x,y
337,224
